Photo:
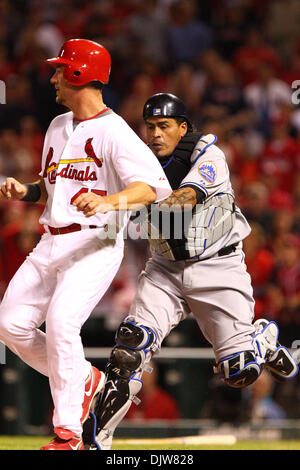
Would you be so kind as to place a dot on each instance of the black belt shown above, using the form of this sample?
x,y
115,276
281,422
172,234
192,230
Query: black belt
x,y
222,252
227,249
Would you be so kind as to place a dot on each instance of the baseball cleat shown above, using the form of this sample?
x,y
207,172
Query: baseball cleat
x,y
93,385
64,440
279,360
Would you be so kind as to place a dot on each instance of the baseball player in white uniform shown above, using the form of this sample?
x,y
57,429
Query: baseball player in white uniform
x,y
94,170
199,269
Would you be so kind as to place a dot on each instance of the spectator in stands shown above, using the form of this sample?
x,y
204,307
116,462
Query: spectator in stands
x,y
205,66
188,37
149,28
19,234
31,139
256,205
278,162
7,68
282,224
233,19
131,107
252,54
156,403
71,18
265,95
14,159
282,26
224,99
232,146
19,101
263,407
224,404
182,82
283,294
292,71
260,264
296,200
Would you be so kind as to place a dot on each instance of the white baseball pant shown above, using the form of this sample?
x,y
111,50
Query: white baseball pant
x,y
59,283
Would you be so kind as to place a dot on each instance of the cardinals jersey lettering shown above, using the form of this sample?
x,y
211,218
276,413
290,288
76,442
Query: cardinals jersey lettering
x,y
102,155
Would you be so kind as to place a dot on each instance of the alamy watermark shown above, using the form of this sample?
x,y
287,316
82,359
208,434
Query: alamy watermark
x,y
2,353
296,94
2,92
152,222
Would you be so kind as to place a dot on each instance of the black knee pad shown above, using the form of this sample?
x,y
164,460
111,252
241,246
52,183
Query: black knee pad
x,y
240,369
134,341
136,336
124,361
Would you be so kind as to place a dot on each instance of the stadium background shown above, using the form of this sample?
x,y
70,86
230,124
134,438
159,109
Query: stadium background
x,y
234,63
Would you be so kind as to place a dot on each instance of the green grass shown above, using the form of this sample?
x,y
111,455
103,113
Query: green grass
x,y
243,445
34,443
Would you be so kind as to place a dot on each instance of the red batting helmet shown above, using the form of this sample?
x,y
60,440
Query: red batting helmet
x,y
85,61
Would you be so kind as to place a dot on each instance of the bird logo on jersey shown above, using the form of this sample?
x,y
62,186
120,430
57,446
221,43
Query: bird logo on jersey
x,y
91,153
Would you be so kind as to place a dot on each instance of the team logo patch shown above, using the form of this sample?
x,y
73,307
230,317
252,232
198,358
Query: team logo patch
x,y
156,111
91,153
208,171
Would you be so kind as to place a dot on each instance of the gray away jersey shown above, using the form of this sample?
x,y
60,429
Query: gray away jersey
x,y
217,222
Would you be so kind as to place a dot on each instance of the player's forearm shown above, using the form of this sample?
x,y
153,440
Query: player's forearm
x,y
12,189
134,196
180,198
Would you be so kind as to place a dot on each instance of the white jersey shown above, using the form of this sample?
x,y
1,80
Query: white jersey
x,y
102,155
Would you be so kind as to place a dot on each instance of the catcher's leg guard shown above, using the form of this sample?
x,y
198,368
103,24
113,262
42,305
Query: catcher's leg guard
x,y
278,359
239,370
135,343
265,340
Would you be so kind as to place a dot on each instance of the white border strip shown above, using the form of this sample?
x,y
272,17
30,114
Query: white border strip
x,y
165,353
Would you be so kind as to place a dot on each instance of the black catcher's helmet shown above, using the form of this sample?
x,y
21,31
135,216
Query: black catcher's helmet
x,y
165,104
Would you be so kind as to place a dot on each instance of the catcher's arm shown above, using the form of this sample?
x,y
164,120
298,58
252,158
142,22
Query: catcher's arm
x,y
12,189
182,197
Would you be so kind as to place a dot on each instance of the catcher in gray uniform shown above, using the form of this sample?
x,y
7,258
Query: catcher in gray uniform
x,y
197,266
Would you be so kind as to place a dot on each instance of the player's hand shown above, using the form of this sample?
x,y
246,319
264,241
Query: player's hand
x,y
91,203
12,189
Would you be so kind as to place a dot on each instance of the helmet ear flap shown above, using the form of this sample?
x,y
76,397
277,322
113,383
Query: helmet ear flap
x,y
73,75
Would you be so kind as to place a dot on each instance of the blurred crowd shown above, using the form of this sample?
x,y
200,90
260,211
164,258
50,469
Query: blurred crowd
x,y
235,64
